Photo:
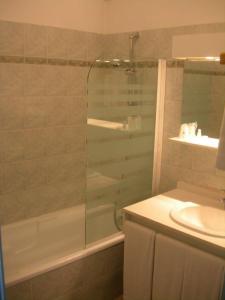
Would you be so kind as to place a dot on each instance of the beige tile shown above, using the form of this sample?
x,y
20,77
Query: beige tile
x,y
116,45
77,81
95,44
172,118
59,111
36,112
11,112
63,167
15,206
154,44
78,110
40,200
169,177
73,275
11,38
36,80
35,143
57,80
48,286
13,145
35,173
77,46
72,192
58,39
1,178
204,160
11,79
35,40
14,177
21,291
2,136
174,84
58,139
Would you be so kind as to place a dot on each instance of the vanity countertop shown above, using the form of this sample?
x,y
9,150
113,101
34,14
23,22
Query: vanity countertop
x,y
155,213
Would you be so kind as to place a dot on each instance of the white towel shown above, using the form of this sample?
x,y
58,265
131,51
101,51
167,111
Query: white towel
x,y
138,261
203,276
168,269
220,161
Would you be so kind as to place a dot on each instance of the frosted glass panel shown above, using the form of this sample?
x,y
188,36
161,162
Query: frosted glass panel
x,y
121,121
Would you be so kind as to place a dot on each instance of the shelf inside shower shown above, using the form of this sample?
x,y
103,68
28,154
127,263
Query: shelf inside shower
x,y
205,142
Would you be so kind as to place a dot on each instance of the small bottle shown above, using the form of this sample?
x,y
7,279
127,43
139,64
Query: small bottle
x,y
199,133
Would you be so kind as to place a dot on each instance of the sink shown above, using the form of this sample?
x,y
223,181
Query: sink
x,y
204,219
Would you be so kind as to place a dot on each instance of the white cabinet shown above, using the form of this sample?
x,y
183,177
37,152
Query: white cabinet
x,y
158,267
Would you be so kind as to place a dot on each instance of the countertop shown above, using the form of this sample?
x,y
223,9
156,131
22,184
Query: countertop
x,y
154,212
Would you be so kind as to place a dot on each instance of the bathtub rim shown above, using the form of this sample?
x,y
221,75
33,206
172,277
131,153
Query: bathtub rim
x,y
90,249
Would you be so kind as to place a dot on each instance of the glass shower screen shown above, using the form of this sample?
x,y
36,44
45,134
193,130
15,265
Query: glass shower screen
x,y
121,131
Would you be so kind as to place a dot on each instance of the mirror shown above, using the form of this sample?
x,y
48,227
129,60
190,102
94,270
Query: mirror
x,y
204,95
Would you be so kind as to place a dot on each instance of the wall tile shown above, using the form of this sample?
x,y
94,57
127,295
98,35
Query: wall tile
x,y
70,166
48,286
11,112
116,46
58,42
204,160
12,38
20,291
57,80
39,200
1,178
77,46
95,46
59,111
35,173
77,81
35,41
35,143
36,111
174,84
154,44
11,79
78,110
14,177
13,145
35,80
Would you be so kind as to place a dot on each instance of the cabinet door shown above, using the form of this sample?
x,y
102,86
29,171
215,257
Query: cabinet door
x,y
182,272
138,261
203,276
169,266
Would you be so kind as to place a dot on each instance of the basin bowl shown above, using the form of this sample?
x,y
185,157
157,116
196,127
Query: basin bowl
x,y
203,219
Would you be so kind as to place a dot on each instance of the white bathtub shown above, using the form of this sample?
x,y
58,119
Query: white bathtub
x,y
40,244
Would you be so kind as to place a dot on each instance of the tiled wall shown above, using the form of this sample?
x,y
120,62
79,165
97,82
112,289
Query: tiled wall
x,y
96,277
154,43
184,162
43,103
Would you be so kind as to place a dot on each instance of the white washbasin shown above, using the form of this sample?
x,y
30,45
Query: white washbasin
x,y
204,219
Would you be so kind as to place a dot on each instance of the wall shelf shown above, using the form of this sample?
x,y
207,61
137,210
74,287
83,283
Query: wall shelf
x,y
198,141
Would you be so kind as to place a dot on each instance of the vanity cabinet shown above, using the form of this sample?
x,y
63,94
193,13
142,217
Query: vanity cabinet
x,y
158,267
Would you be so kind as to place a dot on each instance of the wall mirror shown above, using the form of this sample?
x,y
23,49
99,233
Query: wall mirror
x,y
204,95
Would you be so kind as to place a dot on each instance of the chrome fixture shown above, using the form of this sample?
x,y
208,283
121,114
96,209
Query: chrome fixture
x,y
132,38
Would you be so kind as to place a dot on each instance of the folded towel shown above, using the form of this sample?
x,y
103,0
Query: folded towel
x,y
220,161
168,269
203,276
138,261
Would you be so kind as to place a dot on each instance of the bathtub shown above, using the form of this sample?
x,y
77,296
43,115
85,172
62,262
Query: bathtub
x,y
44,243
